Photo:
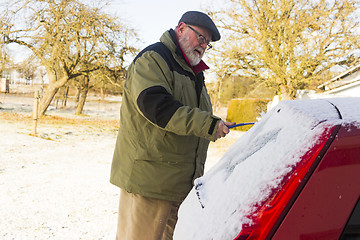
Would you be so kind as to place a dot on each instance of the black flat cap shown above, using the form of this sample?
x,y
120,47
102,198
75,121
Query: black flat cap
x,y
202,20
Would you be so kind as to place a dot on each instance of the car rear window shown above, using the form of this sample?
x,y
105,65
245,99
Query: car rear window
x,y
352,228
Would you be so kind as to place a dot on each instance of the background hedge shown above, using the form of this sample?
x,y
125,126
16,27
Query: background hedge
x,y
245,110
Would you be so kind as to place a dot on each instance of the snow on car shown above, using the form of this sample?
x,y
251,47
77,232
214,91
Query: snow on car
x,y
248,193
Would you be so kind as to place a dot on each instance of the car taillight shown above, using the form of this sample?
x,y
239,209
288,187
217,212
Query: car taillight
x,y
267,213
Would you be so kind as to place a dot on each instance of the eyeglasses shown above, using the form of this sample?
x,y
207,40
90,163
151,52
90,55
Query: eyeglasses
x,y
201,39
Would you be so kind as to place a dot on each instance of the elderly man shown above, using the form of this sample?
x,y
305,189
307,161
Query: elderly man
x,y
166,123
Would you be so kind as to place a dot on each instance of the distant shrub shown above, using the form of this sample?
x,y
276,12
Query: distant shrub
x,y
245,110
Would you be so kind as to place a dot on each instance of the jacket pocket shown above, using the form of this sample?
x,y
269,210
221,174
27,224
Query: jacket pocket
x,y
159,179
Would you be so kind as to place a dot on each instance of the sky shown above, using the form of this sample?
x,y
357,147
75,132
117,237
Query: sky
x,y
152,18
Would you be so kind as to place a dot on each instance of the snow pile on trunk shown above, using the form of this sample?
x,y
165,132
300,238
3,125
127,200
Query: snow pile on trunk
x,y
217,206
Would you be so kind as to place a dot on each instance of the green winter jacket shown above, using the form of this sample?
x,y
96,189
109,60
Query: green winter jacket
x,y
166,124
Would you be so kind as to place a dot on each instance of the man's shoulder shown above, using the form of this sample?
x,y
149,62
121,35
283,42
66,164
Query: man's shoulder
x,y
159,51
159,48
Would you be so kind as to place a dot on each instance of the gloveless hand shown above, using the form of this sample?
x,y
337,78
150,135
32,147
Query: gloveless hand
x,y
223,129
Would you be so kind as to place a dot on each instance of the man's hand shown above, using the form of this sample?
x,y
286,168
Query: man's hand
x,y
223,129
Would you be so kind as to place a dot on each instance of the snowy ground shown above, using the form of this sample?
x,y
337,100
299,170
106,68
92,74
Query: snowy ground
x,y
56,185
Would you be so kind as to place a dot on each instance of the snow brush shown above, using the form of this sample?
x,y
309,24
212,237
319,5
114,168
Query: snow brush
x,y
240,124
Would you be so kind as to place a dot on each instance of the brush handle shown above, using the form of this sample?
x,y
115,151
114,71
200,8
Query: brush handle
x,y
240,124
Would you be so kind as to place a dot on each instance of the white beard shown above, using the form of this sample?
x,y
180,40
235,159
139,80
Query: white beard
x,y
194,55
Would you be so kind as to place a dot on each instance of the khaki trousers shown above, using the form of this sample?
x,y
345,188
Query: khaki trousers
x,y
143,218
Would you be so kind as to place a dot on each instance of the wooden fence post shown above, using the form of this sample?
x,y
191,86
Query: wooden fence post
x,y
35,111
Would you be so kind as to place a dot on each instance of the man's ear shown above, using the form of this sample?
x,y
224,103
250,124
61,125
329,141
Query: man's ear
x,y
181,28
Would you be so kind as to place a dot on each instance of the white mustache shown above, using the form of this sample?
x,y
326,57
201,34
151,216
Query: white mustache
x,y
200,50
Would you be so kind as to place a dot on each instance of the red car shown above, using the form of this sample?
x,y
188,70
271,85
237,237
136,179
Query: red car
x,y
301,163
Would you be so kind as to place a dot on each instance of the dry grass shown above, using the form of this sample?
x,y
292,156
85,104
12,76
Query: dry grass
x,y
80,121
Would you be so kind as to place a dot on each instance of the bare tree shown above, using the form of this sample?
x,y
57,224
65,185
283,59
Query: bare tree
x,y
27,70
287,44
69,38
5,62
114,76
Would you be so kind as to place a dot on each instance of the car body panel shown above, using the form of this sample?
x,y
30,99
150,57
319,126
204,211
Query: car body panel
x,y
327,200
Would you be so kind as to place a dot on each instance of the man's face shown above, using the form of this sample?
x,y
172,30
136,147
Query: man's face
x,y
189,43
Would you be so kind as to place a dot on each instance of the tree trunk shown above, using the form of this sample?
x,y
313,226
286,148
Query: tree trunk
x,y
83,94
82,100
102,94
217,95
77,97
285,93
47,98
65,96
49,94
